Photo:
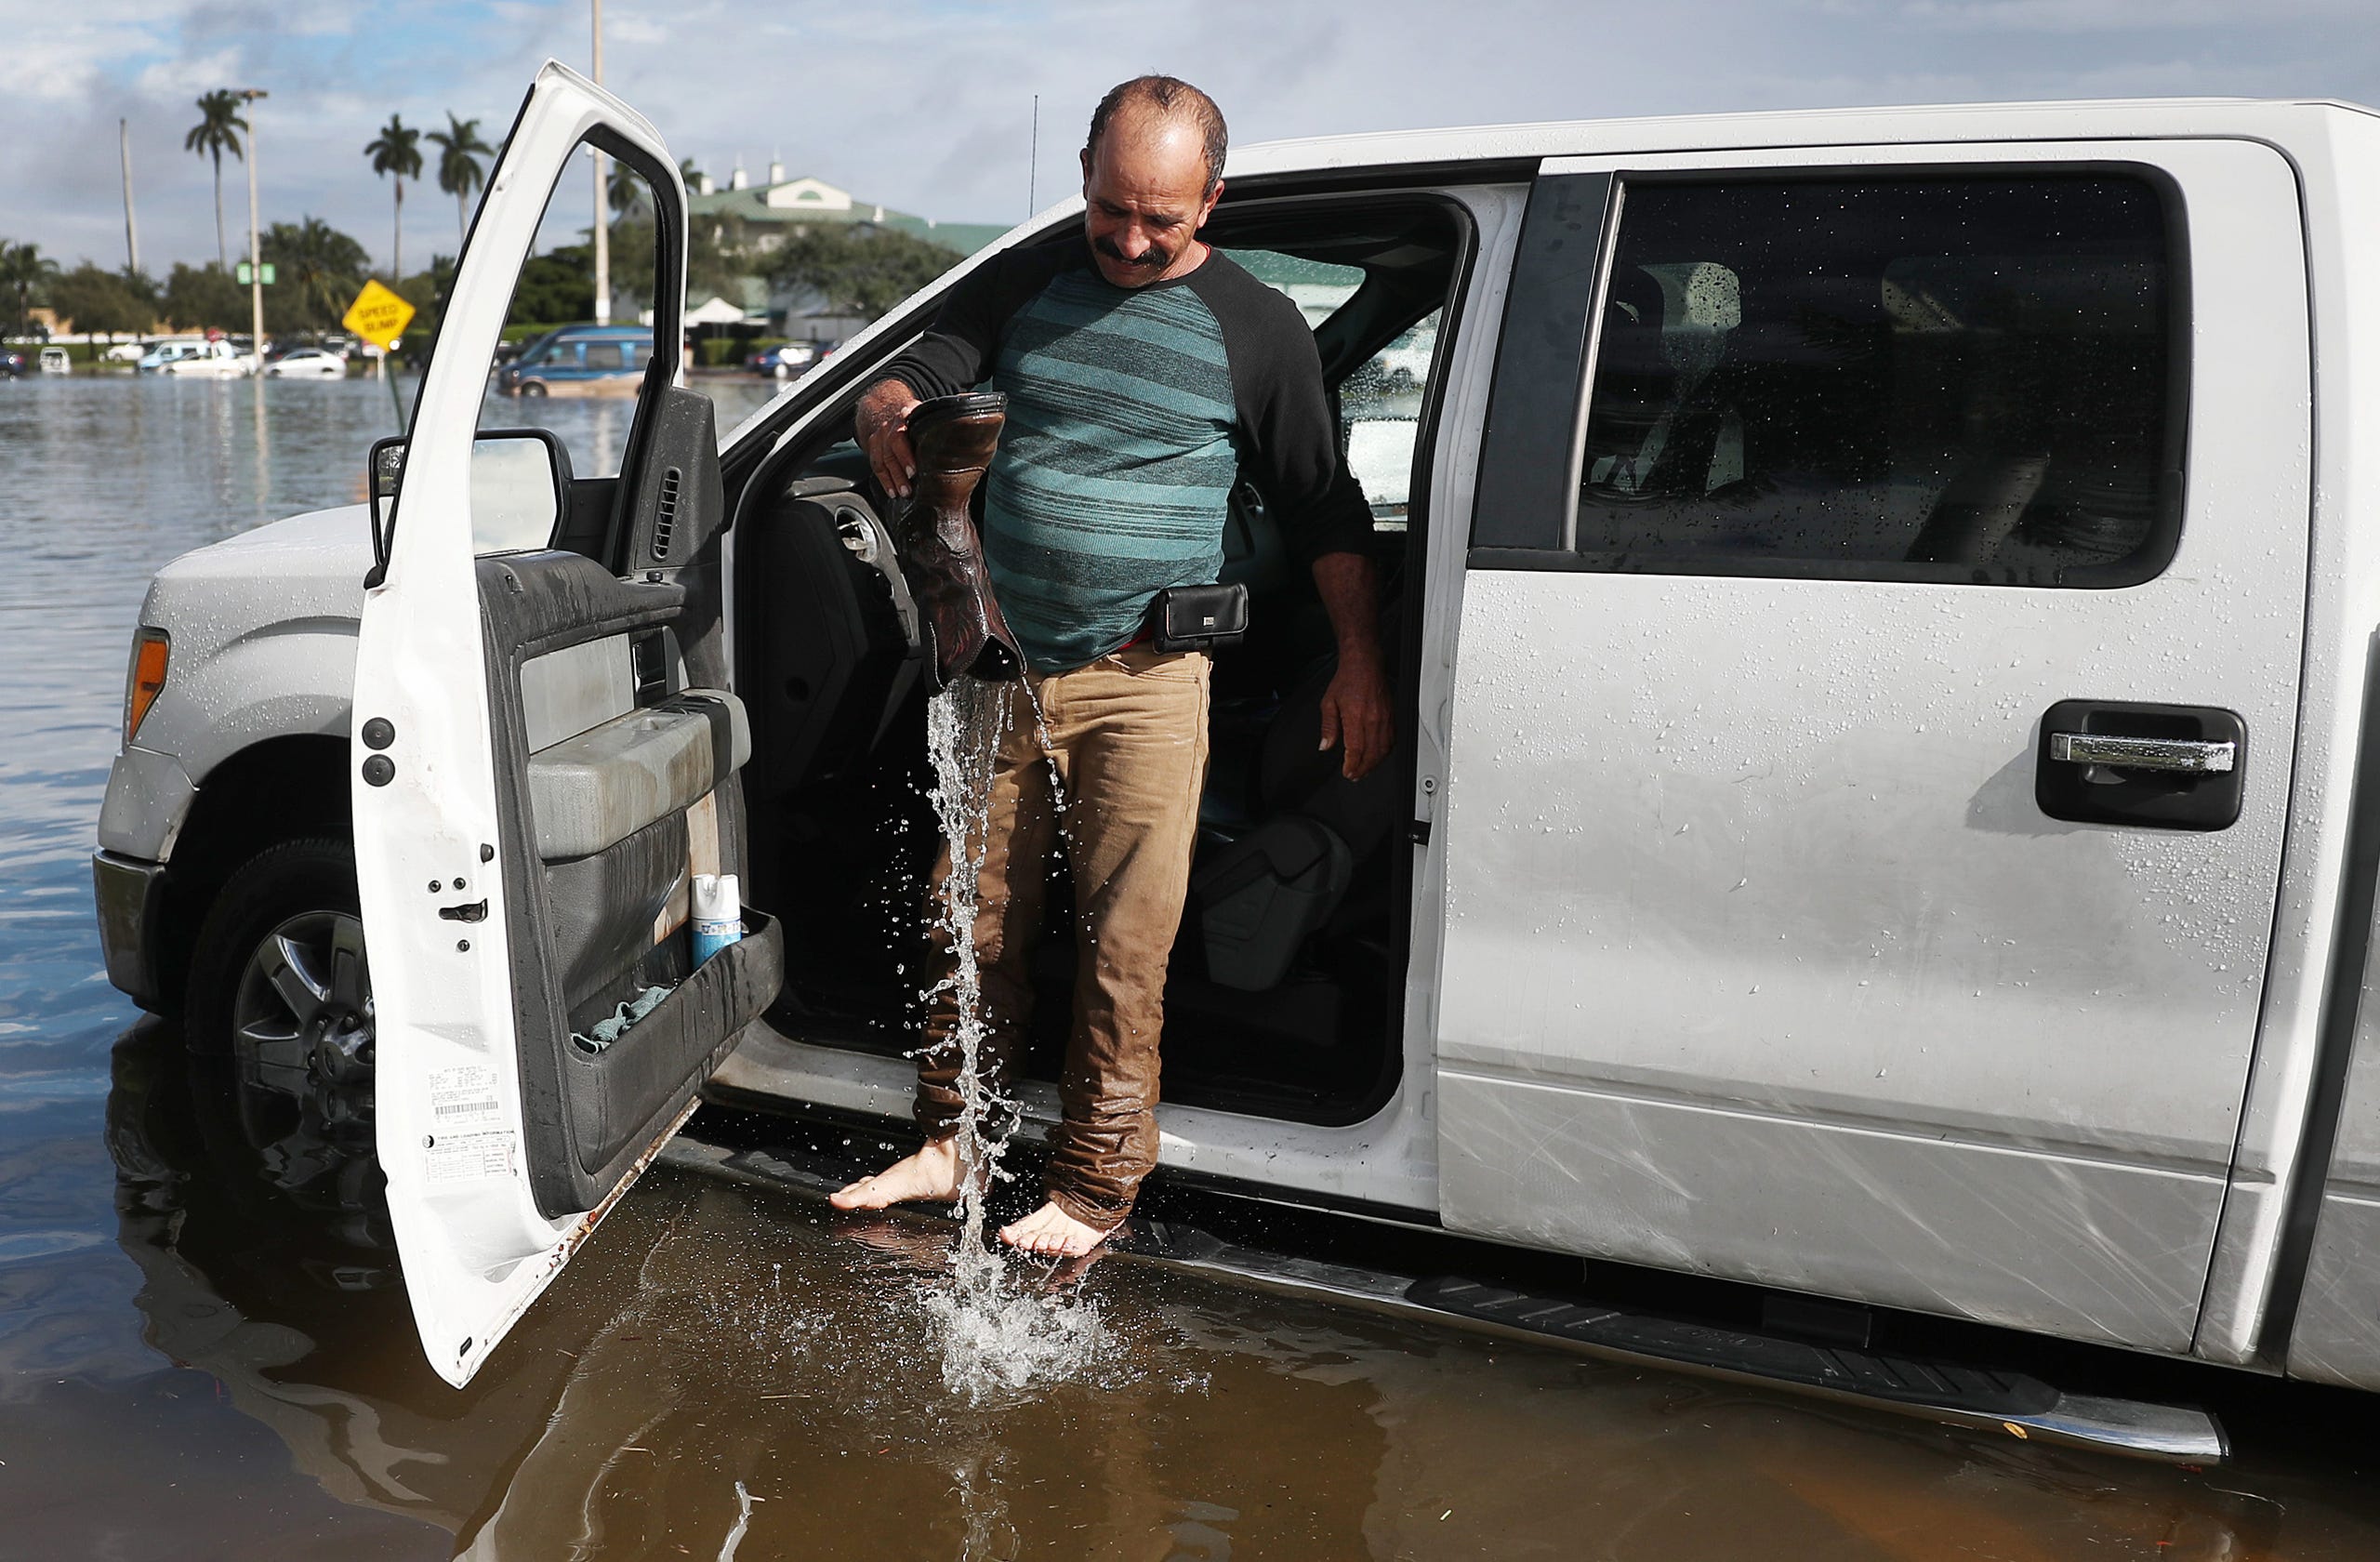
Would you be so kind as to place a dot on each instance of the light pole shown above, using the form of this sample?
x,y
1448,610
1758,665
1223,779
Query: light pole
x,y
602,200
131,228
255,248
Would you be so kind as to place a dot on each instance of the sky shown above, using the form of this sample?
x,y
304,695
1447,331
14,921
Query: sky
x,y
928,105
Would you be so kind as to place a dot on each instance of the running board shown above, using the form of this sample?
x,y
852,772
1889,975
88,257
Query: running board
x,y
1977,1398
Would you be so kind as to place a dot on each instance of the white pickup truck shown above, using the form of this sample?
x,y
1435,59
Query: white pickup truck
x,y
1884,814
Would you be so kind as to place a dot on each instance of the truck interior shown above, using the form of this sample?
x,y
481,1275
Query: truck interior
x,y
1285,994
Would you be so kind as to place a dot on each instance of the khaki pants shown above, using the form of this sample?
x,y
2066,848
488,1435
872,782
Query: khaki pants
x,y
1127,735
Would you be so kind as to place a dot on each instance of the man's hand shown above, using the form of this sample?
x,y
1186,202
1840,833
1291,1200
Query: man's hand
x,y
882,424
1355,711
1355,708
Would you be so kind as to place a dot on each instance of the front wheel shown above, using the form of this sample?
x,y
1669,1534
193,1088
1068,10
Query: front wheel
x,y
532,388
280,980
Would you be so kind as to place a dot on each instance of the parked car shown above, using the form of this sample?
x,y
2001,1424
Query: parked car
x,y
307,362
580,361
126,352
783,361
197,358
13,364
55,360
1874,818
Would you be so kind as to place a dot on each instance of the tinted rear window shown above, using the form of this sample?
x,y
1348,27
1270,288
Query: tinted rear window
x,y
1955,378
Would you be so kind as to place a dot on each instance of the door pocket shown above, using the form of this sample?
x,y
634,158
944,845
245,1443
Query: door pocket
x,y
685,1036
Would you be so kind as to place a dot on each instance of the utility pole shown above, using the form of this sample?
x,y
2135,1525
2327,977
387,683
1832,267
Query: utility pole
x,y
1033,161
602,199
251,96
131,227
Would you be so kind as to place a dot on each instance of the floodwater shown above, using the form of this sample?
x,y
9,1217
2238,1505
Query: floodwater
x,y
204,1350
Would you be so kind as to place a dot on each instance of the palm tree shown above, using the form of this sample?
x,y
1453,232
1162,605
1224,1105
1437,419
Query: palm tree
x,y
459,173
319,266
397,150
218,116
626,188
22,268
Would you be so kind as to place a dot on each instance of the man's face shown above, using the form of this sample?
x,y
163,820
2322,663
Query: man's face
x,y
1147,195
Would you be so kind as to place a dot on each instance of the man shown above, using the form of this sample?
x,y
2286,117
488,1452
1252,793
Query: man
x,y
1143,371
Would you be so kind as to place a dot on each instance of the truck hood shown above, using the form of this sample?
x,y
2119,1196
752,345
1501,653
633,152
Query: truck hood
x,y
307,567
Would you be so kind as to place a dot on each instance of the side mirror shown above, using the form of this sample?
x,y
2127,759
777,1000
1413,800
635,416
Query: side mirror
x,y
520,482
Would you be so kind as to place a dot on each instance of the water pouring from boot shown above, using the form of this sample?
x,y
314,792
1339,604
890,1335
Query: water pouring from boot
x,y
994,1334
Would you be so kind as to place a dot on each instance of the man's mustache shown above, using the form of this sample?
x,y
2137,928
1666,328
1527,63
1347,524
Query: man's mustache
x,y
1107,247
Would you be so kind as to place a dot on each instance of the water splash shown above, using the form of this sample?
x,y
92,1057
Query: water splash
x,y
996,1335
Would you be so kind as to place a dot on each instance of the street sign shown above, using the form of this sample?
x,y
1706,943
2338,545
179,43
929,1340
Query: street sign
x,y
242,272
377,315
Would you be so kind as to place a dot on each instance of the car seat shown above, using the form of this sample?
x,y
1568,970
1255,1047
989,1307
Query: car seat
x,y
1259,894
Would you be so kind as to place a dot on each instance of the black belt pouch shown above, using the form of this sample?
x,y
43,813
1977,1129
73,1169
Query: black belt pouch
x,y
1198,617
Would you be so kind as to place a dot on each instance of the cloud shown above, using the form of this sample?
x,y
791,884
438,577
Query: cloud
x,y
188,77
2147,17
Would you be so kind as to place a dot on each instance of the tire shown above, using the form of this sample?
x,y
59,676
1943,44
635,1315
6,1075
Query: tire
x,y
279,980
532,388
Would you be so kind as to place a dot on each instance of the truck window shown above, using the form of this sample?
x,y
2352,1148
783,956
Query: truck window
x,y
1380,400
556,384
1957,377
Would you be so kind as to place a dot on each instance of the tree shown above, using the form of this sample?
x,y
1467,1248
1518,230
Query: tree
x,y
717,258
396,151
218,116
556,286
25,271
200,297
317,271
860,269
459,170
104,303
427,292
625,189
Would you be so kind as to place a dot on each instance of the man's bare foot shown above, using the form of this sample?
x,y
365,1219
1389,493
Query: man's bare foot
x,y
1053,1233
931,1175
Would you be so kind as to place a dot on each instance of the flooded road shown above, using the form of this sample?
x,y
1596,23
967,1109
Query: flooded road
x,y
205,1352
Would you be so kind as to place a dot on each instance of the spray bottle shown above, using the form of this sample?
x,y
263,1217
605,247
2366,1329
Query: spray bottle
x,y
718,913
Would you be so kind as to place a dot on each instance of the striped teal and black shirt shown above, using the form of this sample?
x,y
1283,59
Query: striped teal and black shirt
x,y
1131,412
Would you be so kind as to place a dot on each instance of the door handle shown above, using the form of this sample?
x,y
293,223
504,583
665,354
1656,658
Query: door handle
x,y
2155,766
2189,756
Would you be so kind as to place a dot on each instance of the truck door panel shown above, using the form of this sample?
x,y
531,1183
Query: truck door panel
x,y
1761,957
547,749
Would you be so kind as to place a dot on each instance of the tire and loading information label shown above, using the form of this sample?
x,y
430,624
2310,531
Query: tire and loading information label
x,y
464,1143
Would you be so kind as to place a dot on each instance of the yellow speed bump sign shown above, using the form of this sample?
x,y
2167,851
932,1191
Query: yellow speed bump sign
x,y
379,316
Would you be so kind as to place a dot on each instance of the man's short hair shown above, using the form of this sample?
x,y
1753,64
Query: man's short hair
x,y
1173,98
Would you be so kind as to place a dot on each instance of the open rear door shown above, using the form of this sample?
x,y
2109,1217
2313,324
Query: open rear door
x,y
544,752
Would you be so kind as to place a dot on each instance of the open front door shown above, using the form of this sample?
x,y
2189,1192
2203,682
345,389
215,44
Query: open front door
x,y
543,753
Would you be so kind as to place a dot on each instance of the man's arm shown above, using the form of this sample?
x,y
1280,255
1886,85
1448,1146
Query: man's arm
x,y
1292,449
956,351
1355,708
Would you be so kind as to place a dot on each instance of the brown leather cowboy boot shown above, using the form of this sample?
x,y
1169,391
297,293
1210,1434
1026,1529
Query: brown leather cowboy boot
x,y
954,437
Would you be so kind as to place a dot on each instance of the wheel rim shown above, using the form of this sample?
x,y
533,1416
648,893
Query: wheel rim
x,y
302,1022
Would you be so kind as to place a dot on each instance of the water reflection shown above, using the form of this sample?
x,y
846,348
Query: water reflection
x,y
732,1366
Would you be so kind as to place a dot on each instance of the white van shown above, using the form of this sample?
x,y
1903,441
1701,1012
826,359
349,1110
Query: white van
x,y
194,358
1884,652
